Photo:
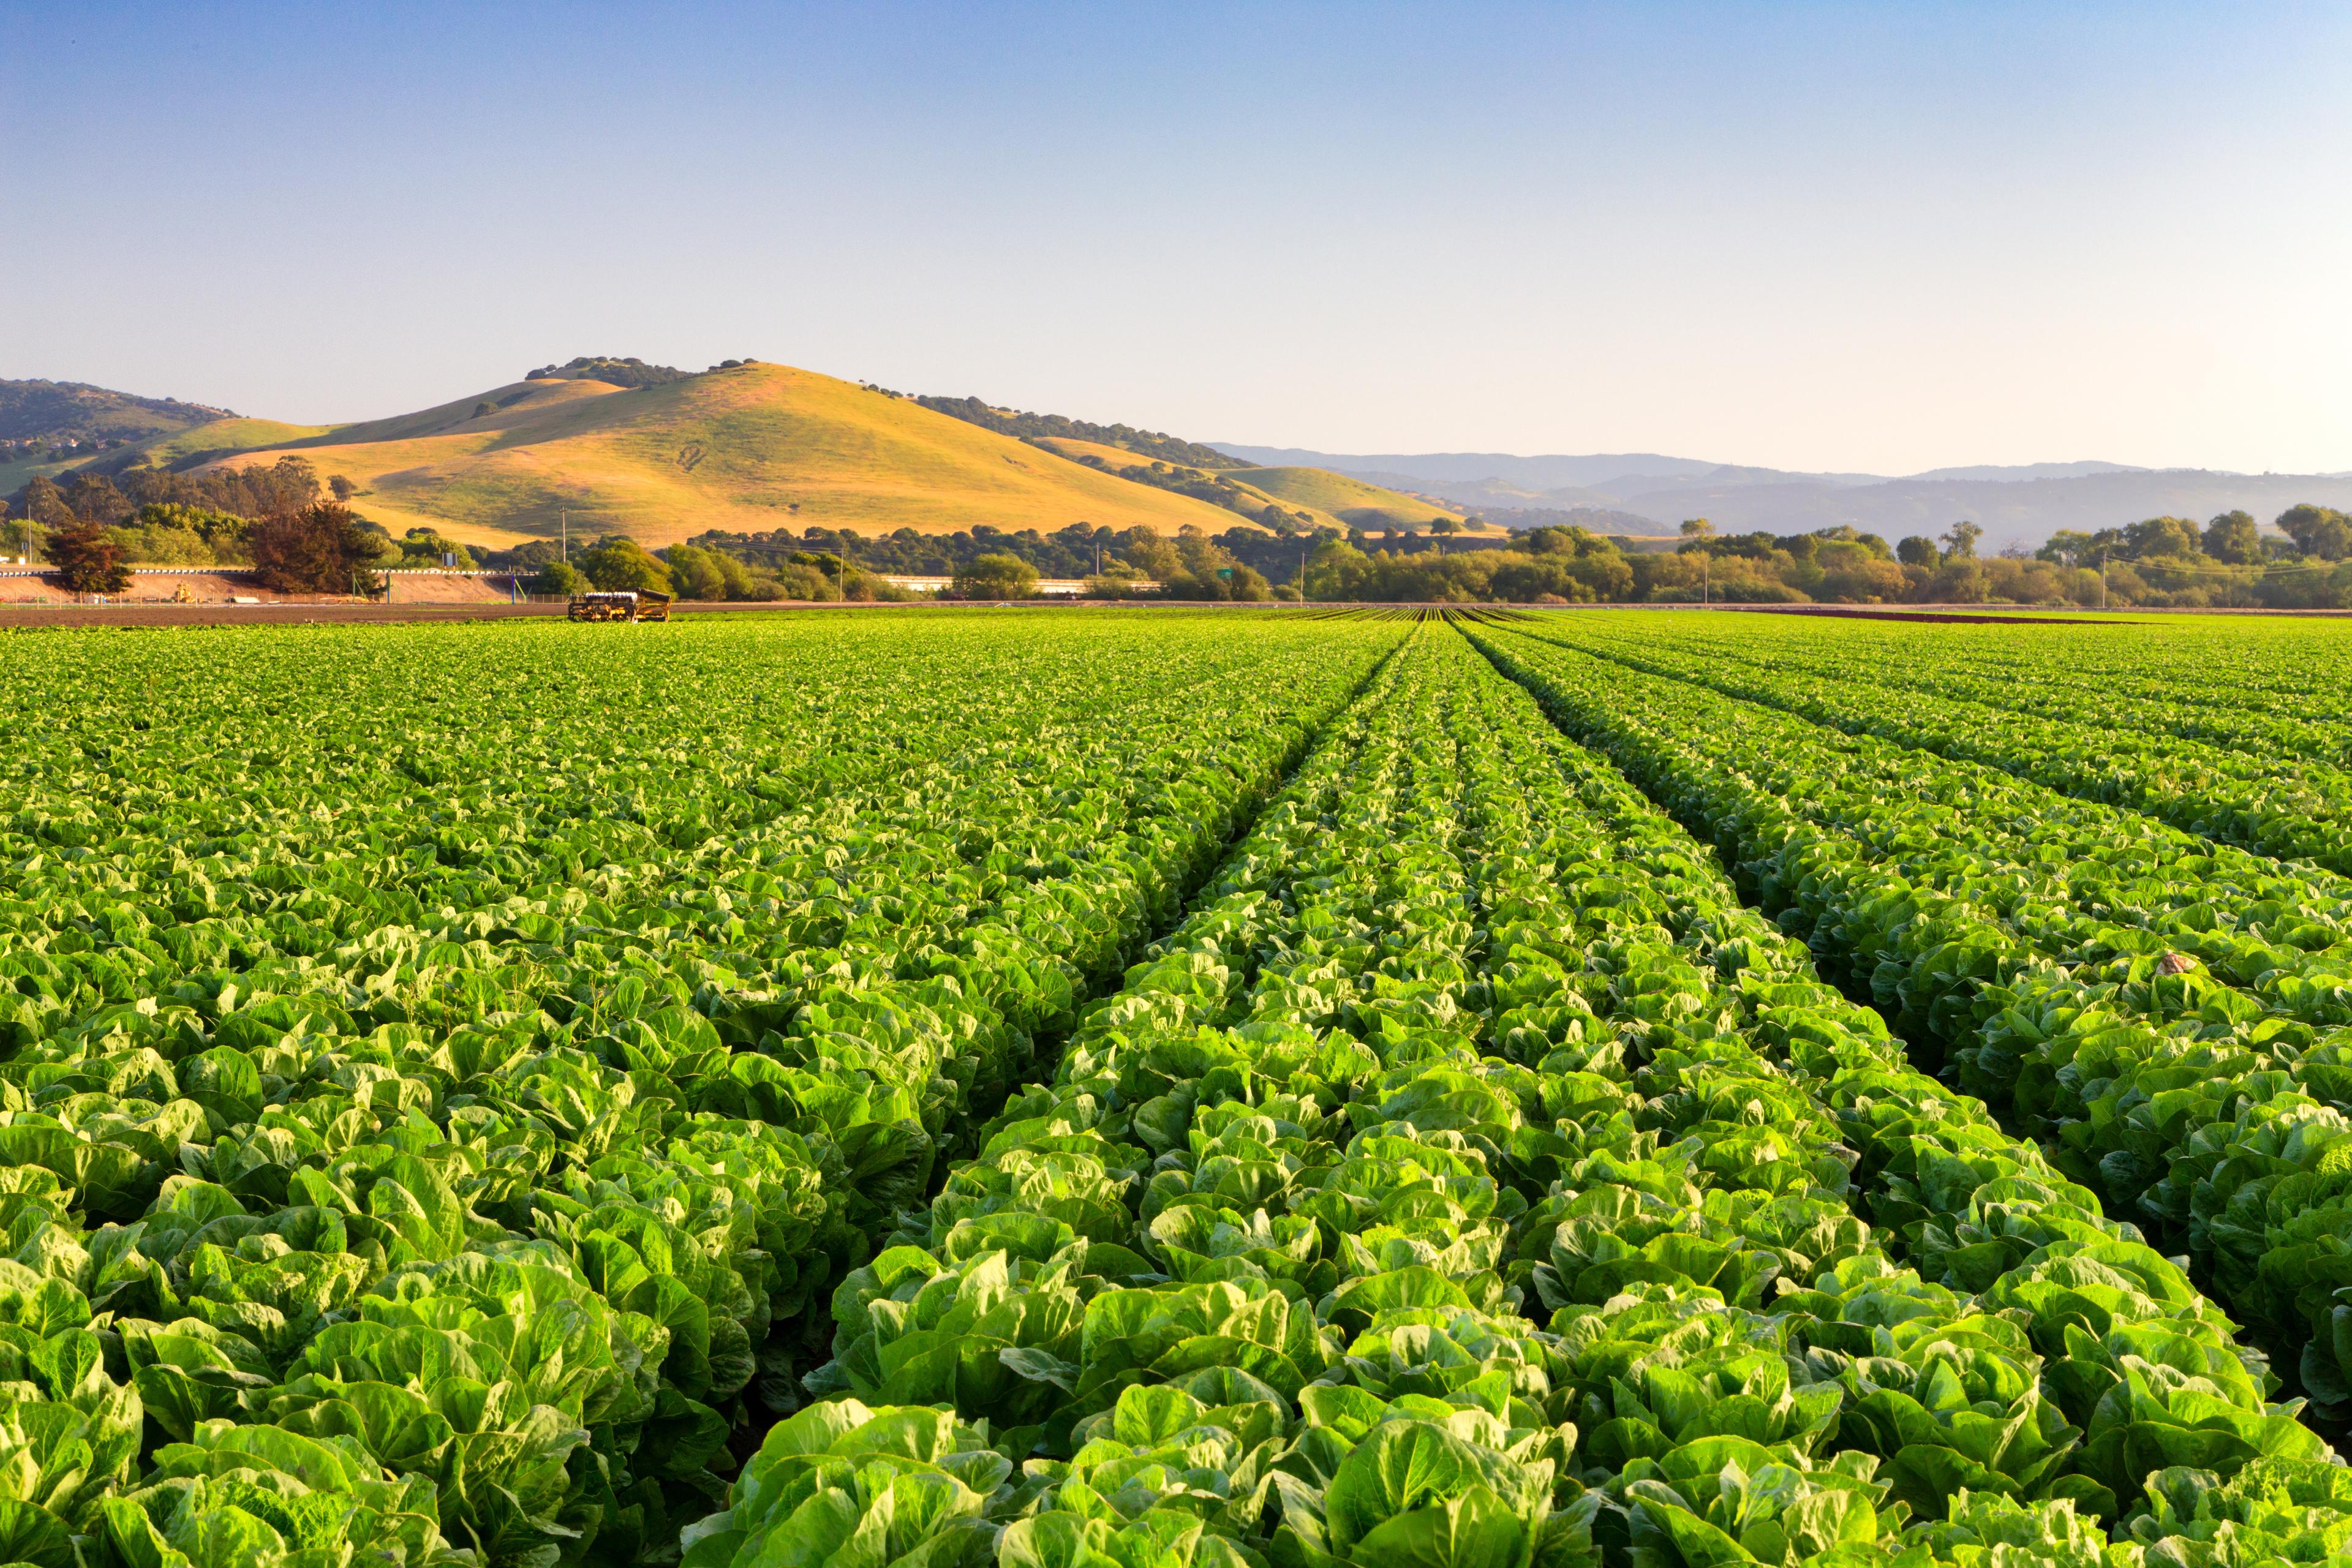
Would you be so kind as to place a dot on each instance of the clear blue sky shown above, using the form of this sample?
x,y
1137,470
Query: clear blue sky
x,y
1879,237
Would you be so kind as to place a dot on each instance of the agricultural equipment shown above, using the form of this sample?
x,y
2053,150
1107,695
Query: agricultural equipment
x,y
628,604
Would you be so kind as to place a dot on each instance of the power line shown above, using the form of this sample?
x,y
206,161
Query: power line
x,y
2233,573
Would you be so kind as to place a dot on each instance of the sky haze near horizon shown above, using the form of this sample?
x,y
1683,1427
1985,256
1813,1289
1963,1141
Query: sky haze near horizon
x,y
1872,237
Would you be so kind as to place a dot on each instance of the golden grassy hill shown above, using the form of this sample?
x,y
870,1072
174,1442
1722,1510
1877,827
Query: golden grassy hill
x,y
228,436
749,449
1119,460
1351,500
1117,456
1330,500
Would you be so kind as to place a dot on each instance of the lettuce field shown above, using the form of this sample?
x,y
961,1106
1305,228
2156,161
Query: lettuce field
x,y
1170,1089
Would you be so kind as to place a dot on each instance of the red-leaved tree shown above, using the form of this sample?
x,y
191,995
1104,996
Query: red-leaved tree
x,y
320,549
89,561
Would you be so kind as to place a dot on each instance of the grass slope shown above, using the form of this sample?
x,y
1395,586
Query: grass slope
x,y
1351,500
226,436
1330,500
1117,456
15,476
751,450
1120,459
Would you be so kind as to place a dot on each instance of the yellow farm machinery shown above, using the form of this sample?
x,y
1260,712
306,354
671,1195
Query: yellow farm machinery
x,y
629,605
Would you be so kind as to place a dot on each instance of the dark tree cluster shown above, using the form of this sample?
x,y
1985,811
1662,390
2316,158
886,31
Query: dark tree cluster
x,y
255,490
1067,552
88,559
2226,560
321,548
273,517
1193,565
1546,565
612,369
1145,444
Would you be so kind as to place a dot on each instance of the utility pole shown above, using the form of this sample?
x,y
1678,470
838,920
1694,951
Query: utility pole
x,y
2103,579
1705,579
564,520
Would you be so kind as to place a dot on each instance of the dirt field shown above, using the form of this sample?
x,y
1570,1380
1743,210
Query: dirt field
x,y
280,613
341,612
203,588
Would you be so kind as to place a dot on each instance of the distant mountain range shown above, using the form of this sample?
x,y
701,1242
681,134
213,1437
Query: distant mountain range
x,y
2020,504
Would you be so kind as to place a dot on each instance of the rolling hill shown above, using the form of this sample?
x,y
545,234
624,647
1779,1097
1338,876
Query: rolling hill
x,y
185,449
73,411
47,427
1149,445
1318,497
1229,484
747,449
1354,502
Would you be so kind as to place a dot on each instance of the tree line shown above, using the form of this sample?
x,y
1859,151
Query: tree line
x,y
1146,444
2168,561
697,569
1071,552
2227,563
296,532
992,562
615,370
823,565
119,501
300,533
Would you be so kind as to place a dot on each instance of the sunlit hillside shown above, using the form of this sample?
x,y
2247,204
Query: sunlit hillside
x,y
752,448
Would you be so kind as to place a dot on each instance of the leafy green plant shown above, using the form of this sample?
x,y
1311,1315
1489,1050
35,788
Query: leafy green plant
x,y
1364,1128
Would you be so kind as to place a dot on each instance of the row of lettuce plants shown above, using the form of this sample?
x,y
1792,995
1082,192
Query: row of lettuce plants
x,y
2205,1111
2081,882
447,1172
1470,1180
2289,807
2255,688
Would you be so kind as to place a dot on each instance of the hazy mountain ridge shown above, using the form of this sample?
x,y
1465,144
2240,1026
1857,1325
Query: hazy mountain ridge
x,y
2015,504
1538,473
1632,473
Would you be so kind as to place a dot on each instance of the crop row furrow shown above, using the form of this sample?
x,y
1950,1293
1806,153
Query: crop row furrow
x,y
2179,1099
482,1225
1470,1174
2117,677
2080,883
2286,808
